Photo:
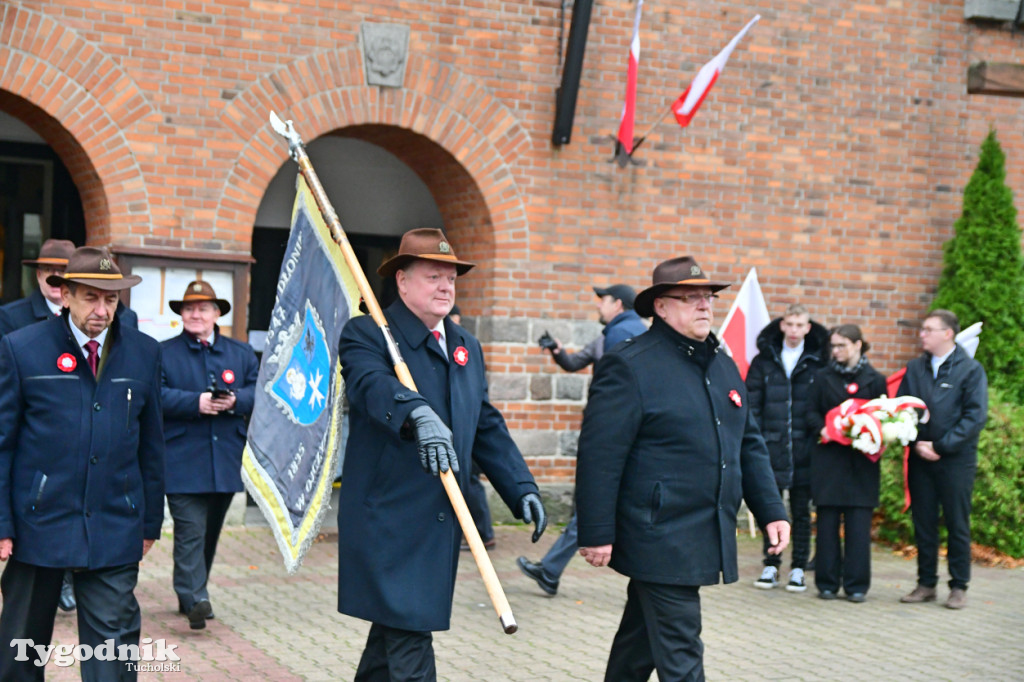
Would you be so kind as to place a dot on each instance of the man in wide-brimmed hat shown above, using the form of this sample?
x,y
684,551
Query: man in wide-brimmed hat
x,y
45,301
81,467
667,449
397,534
209,385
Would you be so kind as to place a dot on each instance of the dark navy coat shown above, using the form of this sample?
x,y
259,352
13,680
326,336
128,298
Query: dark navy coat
x,y
204,452
81,459
398,537
668,448
33,308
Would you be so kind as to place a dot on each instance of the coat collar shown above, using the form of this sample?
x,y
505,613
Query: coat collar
x,y
416,334
40,310
194,344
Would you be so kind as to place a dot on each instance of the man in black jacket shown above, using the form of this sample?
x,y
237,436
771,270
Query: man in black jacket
x,y
791,349
944,459
668,448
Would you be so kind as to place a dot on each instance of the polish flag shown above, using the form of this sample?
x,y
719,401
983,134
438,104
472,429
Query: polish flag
x,y
686,106
625,135
747,317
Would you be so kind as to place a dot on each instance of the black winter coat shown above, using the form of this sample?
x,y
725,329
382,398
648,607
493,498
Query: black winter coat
x,y
957,401
780,403
667,449
840,475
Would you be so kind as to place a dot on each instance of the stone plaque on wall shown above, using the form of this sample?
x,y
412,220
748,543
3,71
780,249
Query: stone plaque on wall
x,y
385,52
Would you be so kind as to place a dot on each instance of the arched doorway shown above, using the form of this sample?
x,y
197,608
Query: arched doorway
x,y
38,198
382,180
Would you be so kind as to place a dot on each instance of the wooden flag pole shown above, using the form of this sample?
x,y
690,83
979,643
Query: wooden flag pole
x,y
650,130
451,486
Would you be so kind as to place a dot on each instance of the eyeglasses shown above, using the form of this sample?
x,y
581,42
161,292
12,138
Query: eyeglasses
x,y
932,330
693,299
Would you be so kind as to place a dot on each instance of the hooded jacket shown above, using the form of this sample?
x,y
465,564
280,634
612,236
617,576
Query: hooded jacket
x,y
780,403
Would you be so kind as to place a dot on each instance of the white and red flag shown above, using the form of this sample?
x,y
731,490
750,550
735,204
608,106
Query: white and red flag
x,y
747,317
686,106
625,136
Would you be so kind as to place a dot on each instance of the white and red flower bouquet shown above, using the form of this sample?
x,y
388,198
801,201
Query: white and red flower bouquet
x,y
871,426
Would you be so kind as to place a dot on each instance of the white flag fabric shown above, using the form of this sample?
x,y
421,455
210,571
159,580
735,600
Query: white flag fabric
x,y
747,317
968,338
686,106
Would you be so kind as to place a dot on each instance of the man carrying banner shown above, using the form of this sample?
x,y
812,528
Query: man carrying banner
x,y
397,534
208,388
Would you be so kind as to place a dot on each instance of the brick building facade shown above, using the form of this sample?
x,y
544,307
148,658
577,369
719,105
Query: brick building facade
x,y
831,155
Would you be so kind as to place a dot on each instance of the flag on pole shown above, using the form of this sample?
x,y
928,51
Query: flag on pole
x,y
747,317
686,106
625,136
294,441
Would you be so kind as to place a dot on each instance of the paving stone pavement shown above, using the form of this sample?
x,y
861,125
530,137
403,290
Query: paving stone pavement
x,y
275,627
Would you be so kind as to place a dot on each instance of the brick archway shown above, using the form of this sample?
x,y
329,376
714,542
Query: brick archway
x,y
80,102
440,121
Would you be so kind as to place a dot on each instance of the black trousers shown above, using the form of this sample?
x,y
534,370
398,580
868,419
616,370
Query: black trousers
x,y
107,609
800,537
660,630
476,500
850,565
198,519
394,655
933,484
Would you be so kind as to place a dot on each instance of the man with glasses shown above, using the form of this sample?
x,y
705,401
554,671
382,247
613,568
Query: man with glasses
x,y
944,459
208,386
667,449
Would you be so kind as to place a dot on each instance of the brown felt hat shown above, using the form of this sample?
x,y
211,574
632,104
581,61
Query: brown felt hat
x,y
424,243
675,272
197,292
53,252
93,267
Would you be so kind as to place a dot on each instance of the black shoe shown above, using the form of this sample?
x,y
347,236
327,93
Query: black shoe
x,y
827,594
199,613
810,565
488,545
857,597
183,611
67,595
536,572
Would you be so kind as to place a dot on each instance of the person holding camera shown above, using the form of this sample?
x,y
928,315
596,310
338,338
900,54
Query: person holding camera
x,y
208,388
615,311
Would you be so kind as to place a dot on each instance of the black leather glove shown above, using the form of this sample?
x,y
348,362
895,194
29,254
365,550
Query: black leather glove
x,y
433,441
532,511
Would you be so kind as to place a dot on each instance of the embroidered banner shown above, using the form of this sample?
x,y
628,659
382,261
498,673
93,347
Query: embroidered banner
x,y
294,440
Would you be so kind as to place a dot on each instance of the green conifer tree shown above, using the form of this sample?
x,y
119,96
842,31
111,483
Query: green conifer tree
x,y
983,272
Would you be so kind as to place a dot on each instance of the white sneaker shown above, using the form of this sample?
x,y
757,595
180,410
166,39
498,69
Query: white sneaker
x,y
769,578
796,581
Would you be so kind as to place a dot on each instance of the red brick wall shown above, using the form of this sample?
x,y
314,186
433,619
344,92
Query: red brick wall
x,y
831,155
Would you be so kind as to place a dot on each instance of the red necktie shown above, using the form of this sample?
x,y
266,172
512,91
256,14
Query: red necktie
x,y
92,348
437,335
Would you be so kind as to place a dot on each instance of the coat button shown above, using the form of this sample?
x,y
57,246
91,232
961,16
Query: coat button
x,y
718,421
387,416
96,407
88,515
215,437
440,517
94,459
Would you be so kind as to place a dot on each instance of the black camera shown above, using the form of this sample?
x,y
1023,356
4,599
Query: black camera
x,y
546,342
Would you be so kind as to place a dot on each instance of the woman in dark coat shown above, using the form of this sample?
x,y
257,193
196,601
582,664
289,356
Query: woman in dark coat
x,y
844,482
